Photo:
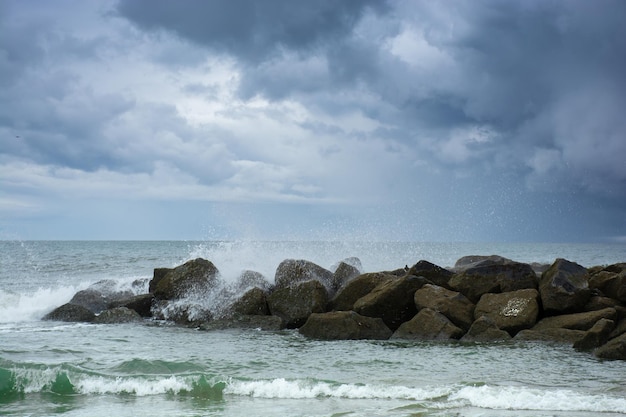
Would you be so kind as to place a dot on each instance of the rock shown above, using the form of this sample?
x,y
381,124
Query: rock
x,y
295,303
564,288
343,325
251,279
343,274
596,336
539,268
428,325
597,302
610,282
452,304
576,321
356,288
157,275
435,274
142,304
71,313
613,349
98,296
511,311
196,275
252,302
392,301
620,328
471,260
493,276
117,315
556,335
293,271
485,329
237,321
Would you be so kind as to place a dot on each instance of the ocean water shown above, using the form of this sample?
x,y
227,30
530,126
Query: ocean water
x,y
156,369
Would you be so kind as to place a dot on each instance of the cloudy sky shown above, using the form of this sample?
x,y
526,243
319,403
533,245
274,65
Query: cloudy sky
x,y
281,119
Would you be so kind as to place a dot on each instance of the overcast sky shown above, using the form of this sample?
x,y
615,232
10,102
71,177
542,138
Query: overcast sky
x,y
281,119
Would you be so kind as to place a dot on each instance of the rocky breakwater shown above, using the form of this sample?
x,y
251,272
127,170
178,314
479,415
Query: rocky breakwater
x,y
480,299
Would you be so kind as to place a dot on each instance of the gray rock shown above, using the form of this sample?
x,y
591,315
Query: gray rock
x,y
613,349
142,304
343,325
564,288
428,325
251,279
553,335
294,304
344,274
596,336
252,302
293,271
485,329
454,305
511,311
356,288
576,321
392,301
197,275
70,313
117,315
434,273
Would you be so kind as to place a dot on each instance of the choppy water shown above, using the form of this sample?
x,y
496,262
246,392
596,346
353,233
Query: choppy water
x,y
49,368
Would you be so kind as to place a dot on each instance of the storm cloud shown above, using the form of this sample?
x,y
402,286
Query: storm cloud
x,y
459,120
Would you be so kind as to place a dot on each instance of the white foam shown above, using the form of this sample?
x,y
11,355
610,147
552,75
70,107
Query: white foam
x,y
524,398
137,386
299,389
31,307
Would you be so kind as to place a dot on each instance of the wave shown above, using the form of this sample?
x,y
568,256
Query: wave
x,y
17,382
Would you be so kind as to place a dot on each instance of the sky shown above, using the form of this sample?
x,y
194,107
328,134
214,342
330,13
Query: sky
x,y
481,120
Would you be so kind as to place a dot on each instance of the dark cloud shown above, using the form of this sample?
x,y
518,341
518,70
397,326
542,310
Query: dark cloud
x,y
251,30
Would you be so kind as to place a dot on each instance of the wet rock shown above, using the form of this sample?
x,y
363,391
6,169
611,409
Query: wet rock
x,y
193,276
493,276
596,336
484,329
251,279
597,302
344,325
70,313
469,261
511,311
295,303
554,335
452,304
98,296
564,288
142,304
117,315
358,287
392,301
157,275
343,274
611,281
620,328
252,302
428,325
576,321
293,271
434,273
613,349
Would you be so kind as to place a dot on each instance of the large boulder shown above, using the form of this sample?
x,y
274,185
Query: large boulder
x,y
194,276
293,271
251,279
493,276
358,287
117,315
596,336
294,304
434,273
98,296
344,273
252,303
142,304
511,311
71,313
613,349
392,301
553,335
611,281
484,329
452,304
428,325
343,325
157,275
564,288
576,321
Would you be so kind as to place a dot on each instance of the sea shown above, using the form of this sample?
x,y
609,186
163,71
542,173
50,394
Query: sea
x,y
155,368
